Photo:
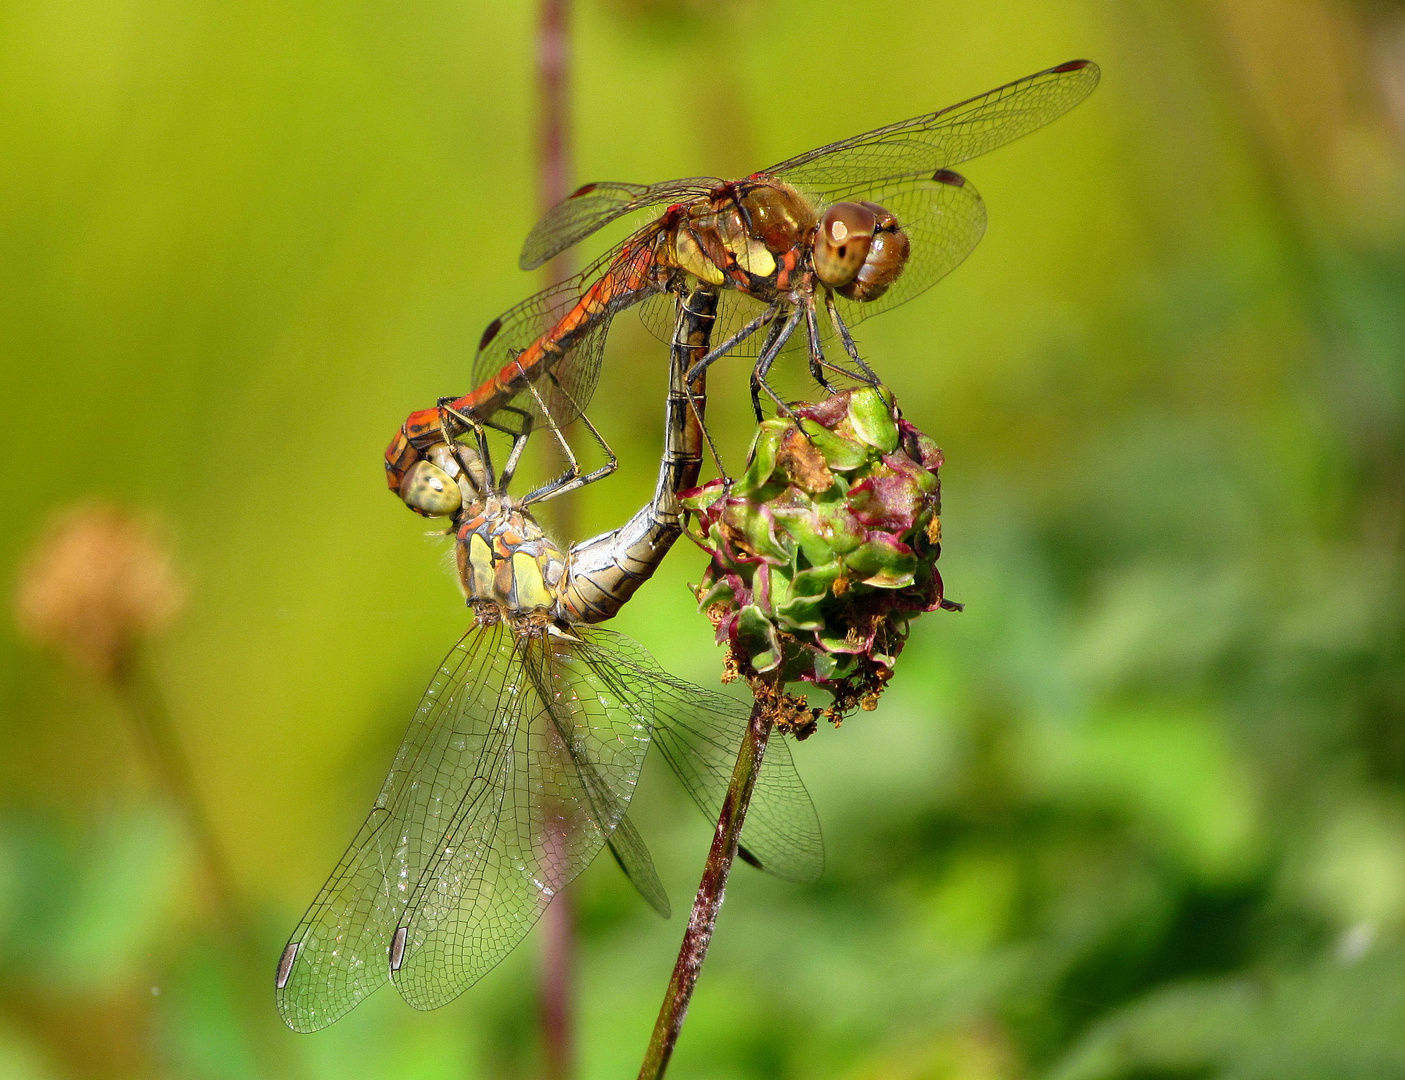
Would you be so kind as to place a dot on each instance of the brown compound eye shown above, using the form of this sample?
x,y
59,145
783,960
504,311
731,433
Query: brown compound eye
x,y
427,489
842,242
884,262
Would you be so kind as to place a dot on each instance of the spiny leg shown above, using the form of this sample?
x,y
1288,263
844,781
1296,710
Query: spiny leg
x,y
818,361
572,478
519,443
775,341
482,477
848,339
733,341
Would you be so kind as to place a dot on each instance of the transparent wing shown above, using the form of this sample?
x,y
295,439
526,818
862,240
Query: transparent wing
x,y
734,310
632,856
559,787
343,942
594,206
565,382
943,139
699,732
488,810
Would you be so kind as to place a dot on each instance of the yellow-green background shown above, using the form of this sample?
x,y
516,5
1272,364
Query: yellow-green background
x,y
1136,814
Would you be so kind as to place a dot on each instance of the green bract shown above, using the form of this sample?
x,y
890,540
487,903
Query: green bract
x,y
826,547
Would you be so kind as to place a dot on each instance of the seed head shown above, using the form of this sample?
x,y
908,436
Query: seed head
x,y
96,583
825,549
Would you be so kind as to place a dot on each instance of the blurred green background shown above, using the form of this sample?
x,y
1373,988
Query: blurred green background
x,y
1137,814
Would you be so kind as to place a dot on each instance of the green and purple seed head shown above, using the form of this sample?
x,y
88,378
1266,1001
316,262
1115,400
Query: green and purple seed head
x,y
826,548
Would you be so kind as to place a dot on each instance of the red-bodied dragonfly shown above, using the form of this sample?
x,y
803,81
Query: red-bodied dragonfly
x,y
522,758
854,228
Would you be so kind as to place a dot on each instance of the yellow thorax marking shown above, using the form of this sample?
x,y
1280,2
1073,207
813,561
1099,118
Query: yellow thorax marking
x,y
480,561
531,590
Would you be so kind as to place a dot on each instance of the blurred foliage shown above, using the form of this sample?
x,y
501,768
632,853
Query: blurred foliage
x,y
1137,814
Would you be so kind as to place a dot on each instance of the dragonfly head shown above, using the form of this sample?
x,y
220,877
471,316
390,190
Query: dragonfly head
x,y
860,250
429,490
448,477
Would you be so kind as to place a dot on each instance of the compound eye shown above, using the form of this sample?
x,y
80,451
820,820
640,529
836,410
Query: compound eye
x,y
842,242
887,257
885,218
428,490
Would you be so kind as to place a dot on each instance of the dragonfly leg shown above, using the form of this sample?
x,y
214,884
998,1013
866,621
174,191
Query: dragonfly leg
x,y
733,341
573,477
848,339
775,341
519,436
817,358
463,422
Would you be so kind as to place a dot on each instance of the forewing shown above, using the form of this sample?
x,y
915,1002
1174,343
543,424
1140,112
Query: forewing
x,y
699,732
565,389
594,206
944,221
449,757
564,736
943,139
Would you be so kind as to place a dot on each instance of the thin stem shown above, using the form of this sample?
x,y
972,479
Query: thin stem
x,y
554,169
553,73
558,979
151,717
140,692
711,889
554,100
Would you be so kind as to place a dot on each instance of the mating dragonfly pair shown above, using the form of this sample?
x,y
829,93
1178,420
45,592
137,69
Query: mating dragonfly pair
x,y
522,758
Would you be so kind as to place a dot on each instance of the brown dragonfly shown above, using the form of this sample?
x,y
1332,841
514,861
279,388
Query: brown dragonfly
x,y
845,232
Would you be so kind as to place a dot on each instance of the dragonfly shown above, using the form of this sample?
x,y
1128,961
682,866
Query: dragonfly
x,y
821,240
521,760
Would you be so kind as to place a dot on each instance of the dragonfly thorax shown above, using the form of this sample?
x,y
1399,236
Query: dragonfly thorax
x,y
748,236
505,559
763,237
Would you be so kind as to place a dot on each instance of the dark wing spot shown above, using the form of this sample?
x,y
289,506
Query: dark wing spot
x,y
946,176
285,963
586,189
747,857
1073,65
490,332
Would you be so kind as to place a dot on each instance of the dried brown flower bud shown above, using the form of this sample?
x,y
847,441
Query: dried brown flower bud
x,y
97,582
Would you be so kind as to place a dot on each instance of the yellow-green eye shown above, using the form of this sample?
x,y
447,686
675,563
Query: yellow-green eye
x,y
428,490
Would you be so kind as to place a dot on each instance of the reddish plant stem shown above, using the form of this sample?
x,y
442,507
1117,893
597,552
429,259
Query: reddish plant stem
x,y
553,73
554,100
558,979
711,890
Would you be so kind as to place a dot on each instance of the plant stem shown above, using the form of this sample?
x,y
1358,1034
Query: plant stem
x,y
553,75
558,978
151,717
711,889
554,101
